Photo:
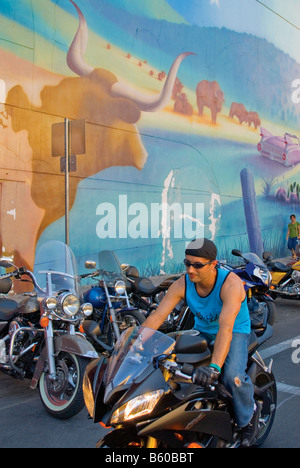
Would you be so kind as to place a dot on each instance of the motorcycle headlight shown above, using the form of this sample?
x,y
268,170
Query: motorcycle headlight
x,y
70,304
139,406
120,288
51,303
264,275
87,309
296,276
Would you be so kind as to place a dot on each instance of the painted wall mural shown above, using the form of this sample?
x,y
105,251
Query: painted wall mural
x,y
179,99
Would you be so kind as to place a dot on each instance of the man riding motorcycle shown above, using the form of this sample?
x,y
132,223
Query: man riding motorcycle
x,y
217,299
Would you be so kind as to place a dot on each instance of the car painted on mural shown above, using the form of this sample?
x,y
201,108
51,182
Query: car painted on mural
x,y
284,150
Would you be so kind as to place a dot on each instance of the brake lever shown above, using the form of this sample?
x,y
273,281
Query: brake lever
x,y
158,360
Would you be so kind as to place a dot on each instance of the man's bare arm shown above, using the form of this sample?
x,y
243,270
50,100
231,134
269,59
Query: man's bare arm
x,y
232,295
175,293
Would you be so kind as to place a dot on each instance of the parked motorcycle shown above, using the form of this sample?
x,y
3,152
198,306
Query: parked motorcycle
x,y
112,311
285,281
144,395
38,338
257,281
146,293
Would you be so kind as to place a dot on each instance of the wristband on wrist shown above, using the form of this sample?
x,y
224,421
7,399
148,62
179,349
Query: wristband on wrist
x,y
215,366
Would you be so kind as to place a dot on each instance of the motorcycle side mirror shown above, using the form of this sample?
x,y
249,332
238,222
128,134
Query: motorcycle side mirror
x,y
267,256
5,263
237,253
90,265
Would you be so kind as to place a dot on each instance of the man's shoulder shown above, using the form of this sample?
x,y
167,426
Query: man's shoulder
x,y
179,286
232,283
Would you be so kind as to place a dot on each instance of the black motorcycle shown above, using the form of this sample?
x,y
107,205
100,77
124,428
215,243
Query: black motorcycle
x,y
145,397
146,293
112,311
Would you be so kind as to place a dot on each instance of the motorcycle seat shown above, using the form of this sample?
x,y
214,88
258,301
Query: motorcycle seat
x,y
280,267
8,308
253,342
146,287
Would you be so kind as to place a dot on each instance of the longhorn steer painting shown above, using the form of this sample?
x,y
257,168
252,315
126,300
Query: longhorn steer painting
x,y
108,108
164,150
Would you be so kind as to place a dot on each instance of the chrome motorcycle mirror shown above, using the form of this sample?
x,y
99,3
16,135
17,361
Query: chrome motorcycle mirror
x,y
90,265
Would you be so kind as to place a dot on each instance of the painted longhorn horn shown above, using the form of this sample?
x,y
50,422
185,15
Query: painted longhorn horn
x,y
75,56
147,103
151,103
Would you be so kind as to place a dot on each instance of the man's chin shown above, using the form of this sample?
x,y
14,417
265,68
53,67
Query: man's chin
x,y
193,278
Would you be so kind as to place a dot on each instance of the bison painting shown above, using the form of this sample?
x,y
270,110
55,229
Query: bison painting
x,y
238,110
182,105
253,118
209,94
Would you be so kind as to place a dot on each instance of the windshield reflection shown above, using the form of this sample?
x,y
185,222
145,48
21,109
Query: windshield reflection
x,y
55,268
134,351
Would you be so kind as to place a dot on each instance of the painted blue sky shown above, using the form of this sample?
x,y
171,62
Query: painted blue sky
x,y
248,16
244,16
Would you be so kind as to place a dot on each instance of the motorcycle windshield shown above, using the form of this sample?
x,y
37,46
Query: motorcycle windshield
x,y
55,269
253,258
134,351
109,266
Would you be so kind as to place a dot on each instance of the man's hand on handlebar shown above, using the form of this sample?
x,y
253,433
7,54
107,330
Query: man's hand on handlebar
x,y
205,376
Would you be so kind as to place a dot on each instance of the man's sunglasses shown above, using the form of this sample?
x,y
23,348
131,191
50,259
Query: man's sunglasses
x,y
196,265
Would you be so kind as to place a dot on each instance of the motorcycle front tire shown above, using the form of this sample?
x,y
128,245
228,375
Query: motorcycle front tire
x,y
269,406
129,318
63,398
272,312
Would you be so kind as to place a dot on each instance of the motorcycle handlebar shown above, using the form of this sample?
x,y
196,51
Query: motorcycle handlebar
x,y
20,272
186,373
100,273
14,274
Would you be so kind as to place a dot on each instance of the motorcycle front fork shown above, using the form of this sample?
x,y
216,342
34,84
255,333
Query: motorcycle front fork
x,y
49,335
152,443
49,339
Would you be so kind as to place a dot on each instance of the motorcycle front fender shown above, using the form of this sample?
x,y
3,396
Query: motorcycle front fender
x,y
75,344
112,439
215,423
72,344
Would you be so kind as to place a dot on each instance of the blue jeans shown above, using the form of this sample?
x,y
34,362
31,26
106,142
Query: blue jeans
x,y
237,381
292,243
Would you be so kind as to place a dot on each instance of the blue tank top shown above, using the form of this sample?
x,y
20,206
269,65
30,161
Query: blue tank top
x,y
207,309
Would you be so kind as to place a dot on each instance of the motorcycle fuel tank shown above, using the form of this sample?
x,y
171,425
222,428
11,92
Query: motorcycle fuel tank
x,y
97,297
